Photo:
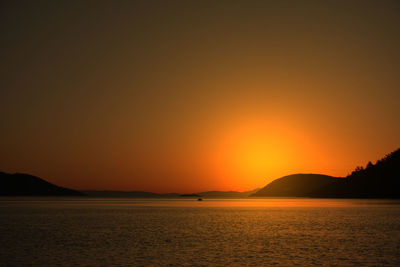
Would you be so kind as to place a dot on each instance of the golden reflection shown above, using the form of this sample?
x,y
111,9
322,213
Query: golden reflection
x,y
257,202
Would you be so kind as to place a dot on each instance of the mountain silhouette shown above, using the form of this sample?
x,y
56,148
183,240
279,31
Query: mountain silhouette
x,y
19,184
379,180
295,185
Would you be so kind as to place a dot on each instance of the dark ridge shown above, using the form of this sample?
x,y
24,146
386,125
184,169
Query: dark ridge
x,y
295,185
19,184
379,180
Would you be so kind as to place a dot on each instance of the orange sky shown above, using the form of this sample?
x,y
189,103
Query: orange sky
x,y
185,96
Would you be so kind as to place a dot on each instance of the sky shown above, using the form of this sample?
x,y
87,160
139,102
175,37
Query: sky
x,y
190,96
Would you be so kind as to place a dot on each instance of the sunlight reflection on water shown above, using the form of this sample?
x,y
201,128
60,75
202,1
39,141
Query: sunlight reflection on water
x,y
212,232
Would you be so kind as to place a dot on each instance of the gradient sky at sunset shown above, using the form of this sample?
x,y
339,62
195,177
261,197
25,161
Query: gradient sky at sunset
x,y
188,96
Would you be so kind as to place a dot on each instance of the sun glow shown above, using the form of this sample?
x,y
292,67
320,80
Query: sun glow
x,y
251,154
255,155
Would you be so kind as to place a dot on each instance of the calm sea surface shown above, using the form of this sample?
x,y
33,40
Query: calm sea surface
x,y
186,232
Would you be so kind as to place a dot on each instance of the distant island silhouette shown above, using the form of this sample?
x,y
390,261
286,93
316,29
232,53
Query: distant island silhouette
x,y
379,180
128,194
227,194
19,184
142,194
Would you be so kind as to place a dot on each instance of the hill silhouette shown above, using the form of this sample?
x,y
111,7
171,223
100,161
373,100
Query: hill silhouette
x,y
379,180
19,184
295,185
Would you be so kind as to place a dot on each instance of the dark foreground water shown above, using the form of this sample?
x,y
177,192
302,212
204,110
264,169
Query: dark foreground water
x,y
249,232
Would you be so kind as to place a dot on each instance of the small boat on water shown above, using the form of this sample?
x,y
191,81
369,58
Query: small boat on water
x,y
199,199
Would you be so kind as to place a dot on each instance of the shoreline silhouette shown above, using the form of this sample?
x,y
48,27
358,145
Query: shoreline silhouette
x,y
379,180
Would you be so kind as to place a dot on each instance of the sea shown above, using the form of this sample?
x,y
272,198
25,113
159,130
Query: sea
x,y
187,232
